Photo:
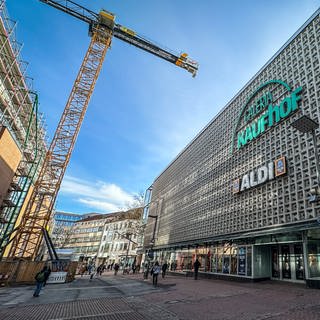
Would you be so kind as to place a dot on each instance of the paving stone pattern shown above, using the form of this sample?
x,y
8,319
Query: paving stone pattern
x,y
130,297
83,309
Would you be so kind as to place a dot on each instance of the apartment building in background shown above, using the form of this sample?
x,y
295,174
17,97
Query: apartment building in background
x,y
105,238
122,237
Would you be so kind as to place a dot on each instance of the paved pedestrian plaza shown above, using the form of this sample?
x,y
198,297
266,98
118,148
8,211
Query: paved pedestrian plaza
x,y
176,297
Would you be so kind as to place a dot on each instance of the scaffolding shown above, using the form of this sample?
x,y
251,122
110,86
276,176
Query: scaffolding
x,y
20,115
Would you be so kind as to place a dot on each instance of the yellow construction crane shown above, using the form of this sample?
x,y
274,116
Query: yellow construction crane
x,y
27,236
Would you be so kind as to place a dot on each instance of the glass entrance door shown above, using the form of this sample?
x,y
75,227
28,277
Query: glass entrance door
x,y
275,262
286,268
299,265
287,262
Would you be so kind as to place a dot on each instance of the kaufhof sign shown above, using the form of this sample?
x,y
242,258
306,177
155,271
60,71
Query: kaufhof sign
x,y
261,113
260,175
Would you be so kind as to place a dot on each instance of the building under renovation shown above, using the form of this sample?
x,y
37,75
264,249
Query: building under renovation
x,y
243,196
22,135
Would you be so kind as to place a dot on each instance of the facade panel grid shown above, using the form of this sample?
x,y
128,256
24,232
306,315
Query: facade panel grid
x,y
193,197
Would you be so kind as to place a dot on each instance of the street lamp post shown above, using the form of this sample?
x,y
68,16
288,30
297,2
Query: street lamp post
x,y
149,251
127,253
154,229
306,125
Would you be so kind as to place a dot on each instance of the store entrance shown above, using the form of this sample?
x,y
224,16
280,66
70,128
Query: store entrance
x,y
287,262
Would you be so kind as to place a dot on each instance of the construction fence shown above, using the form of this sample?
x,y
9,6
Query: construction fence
x,y
23,272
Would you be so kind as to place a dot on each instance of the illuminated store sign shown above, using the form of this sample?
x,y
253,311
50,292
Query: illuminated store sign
x,y
260,175
260,112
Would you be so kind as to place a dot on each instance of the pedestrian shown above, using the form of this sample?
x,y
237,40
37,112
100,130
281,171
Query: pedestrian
x,y
116,269
92,271
196,267
146,269
40,279
99,270
47,274
155,272
83,269
164,269
126,269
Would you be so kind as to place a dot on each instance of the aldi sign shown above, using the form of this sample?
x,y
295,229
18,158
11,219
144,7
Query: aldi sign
x,y
260,175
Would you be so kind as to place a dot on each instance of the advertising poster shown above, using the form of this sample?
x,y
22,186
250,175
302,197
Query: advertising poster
x,y
242,261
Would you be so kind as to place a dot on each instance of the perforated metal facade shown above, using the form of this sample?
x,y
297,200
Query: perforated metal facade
x,y
193,198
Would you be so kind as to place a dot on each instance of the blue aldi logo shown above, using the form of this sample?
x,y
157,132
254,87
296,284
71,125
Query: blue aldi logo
x,y
236,186
280,167
260,175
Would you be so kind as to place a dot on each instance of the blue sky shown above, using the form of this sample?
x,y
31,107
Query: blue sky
x,y
144,110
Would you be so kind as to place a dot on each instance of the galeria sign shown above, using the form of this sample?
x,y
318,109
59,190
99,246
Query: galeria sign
x,y
260,175
261,113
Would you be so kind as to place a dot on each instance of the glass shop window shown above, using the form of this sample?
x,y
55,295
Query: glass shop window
x,y
214,260
234,260
249,261
219,259
226,260
314,258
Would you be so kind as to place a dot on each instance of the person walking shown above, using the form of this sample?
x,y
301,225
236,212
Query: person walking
x,y
155,272
83,269
47,274
134,267
40,280
146,269
99,270
164,269
196,267
116,269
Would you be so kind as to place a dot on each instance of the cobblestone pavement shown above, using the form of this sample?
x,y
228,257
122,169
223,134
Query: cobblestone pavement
x,y
176,297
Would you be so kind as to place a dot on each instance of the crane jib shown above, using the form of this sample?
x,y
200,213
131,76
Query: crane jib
x,y
106,19
145,45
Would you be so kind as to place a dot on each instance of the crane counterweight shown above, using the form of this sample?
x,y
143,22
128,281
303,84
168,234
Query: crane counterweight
x,y
106,19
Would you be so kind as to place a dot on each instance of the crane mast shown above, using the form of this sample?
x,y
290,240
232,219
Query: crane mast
x,y
26,238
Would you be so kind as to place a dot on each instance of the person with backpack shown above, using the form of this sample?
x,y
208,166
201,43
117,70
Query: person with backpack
x,y
40,278
47,274
155,272
116,268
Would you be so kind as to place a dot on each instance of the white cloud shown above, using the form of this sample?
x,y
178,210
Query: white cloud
x,y
97,194
101,205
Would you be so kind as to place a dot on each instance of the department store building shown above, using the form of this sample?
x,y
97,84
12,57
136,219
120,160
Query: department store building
x,y
238,196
